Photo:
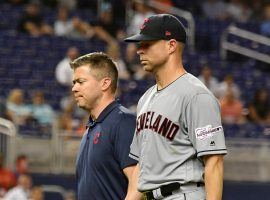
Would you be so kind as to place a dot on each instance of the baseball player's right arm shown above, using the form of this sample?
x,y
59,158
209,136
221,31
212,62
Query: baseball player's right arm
x,y
133,193
213,176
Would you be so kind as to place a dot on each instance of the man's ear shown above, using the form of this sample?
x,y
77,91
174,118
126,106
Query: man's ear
x,y
106,83
172,45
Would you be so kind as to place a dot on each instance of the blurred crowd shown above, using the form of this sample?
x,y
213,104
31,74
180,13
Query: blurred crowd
x,y
110,27
109,24
110,21
233,110
39,114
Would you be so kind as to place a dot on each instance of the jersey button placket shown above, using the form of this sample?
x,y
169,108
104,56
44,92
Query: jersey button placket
x,y
152,100
147,138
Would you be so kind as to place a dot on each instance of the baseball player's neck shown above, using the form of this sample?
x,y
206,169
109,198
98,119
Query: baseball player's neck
x,y
100,106
168,73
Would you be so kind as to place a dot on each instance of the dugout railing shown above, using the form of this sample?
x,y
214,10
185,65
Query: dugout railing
x,y
8,134
246,43
41,152
247,159
54,154
67,146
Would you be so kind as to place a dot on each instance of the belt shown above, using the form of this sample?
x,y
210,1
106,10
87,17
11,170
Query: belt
x,y
167,190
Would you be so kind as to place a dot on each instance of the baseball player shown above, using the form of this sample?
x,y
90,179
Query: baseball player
x,y
179,140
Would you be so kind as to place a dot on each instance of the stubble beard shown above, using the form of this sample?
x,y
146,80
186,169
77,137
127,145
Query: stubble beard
x,y
152,68
81,104
148,68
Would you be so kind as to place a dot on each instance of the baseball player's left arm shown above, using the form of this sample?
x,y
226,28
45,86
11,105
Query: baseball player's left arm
x,y
213,176
132,175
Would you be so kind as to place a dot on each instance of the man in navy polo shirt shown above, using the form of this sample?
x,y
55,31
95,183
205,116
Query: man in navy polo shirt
x,y
104,167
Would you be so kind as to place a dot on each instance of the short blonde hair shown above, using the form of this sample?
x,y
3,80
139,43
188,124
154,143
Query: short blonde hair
x,y
101,62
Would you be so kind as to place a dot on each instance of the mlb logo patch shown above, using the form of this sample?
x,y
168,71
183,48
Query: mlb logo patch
x,y
206,132
212,143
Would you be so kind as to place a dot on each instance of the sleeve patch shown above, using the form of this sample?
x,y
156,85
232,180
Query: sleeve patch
x,y
206,132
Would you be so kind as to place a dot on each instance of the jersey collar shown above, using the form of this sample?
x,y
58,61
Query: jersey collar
x,y
91,123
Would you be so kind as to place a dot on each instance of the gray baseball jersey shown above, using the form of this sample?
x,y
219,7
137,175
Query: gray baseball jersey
x,y
175,127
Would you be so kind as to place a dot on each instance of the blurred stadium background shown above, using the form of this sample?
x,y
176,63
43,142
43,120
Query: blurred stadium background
x,y
39,119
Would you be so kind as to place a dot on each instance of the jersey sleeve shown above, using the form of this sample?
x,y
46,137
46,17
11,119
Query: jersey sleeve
x,y
134,148
124,135
204,125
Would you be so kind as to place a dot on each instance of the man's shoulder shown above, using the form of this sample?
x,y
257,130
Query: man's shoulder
x,y
118,112
124,112
192,85
148,92
122,118
189,87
